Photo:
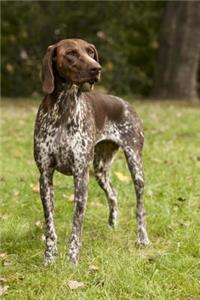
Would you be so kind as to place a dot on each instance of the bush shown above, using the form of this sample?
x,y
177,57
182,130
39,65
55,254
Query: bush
x,y
125,33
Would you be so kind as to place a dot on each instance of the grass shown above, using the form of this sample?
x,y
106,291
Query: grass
x,y
111,267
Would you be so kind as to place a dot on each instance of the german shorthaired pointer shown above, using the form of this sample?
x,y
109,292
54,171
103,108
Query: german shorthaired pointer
x,y
76,127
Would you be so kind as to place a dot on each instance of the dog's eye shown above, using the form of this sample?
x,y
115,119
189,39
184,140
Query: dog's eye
x,y
72,53
90,52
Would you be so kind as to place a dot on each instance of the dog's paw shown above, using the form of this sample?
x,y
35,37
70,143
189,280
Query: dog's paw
x,y
73,254
112,224
143,242
73,260
113,219
49,260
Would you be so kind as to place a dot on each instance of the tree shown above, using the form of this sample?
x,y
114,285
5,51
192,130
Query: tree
x,y
178,57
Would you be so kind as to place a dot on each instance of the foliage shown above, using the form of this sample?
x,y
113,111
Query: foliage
x,y
124,32
111,267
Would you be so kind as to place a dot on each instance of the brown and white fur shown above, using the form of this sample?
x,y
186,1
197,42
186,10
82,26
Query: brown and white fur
x,y
75,128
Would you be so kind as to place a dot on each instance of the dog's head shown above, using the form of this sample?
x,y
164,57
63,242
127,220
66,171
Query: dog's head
x,y
73,60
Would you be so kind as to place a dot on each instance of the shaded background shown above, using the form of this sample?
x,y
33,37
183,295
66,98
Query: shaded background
x,y
140,44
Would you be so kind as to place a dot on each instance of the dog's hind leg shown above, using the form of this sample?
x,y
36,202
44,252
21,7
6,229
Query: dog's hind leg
x,y
133,156
104,152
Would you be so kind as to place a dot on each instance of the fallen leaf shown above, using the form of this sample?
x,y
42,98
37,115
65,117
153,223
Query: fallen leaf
x,y
9,279
16,193
73,284
122,177
93,268
39,224
35,188
191,297
3,289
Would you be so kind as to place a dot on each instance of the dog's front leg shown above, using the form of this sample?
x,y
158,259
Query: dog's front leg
x,y
46,193
80,198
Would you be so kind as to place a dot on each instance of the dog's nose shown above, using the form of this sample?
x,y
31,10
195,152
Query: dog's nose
x,y
95,70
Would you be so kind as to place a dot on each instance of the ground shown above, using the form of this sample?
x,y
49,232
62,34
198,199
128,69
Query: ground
x,y
111,266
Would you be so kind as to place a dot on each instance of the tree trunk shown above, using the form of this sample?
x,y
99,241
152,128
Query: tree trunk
x,y
178,57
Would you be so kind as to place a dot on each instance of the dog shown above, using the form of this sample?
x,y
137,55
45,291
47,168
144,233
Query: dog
x,y
76,127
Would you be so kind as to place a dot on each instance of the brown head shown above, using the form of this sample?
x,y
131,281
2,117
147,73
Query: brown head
x,y
71,61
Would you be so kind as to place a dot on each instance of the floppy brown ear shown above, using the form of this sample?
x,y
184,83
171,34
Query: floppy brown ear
x,y
47,71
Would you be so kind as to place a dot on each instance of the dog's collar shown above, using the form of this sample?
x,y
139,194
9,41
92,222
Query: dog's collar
x,y
86,87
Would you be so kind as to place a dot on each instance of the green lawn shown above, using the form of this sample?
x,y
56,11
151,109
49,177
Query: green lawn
x,y
110,266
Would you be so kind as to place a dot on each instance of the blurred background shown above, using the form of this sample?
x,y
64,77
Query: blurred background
x,y
148,49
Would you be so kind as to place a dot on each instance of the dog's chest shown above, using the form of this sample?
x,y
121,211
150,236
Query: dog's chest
x,y
65,137
72,148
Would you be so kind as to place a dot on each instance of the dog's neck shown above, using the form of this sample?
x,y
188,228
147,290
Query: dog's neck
x,y
68,95
67,103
